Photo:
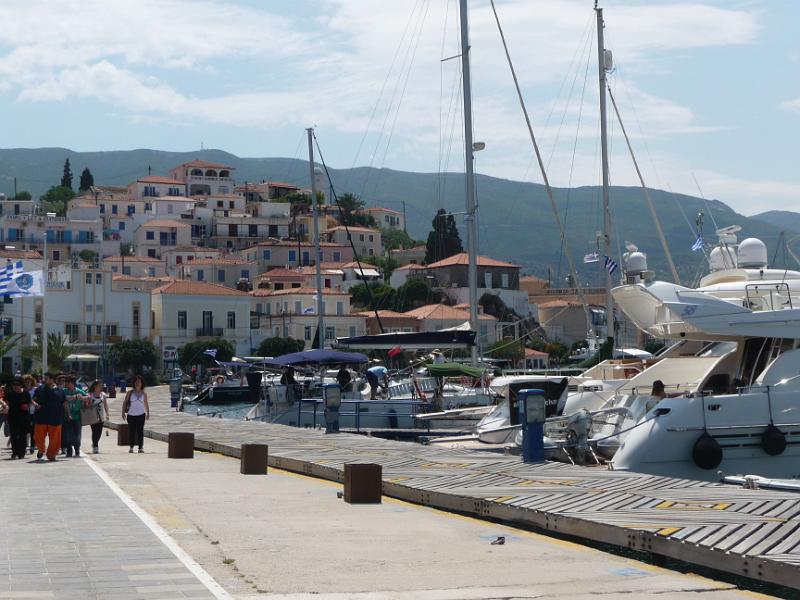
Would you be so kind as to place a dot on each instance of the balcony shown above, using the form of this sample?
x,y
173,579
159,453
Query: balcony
x,y
208,332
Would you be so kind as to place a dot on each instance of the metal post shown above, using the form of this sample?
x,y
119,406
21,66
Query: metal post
x,y
317,252
601,57
469,184
44,306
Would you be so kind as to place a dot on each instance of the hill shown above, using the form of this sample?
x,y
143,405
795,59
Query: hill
x,y
515,222
783,219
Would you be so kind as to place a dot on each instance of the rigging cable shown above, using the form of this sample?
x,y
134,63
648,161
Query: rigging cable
x,y
543,171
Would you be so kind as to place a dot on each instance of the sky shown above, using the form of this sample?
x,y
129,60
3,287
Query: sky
x,y
708,90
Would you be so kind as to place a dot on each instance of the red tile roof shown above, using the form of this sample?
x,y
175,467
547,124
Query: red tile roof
x,y
282,273
379,209
301,291
160,179
165,223
14,253
120,259
218,260
360,229
197,288
204,164
463,259
559,304
444,313
532,352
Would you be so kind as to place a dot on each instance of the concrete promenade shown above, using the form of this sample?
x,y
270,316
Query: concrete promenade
x,y
124,526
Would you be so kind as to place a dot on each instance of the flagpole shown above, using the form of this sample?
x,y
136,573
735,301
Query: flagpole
x,y
46,277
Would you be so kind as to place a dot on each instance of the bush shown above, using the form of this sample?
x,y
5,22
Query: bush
x,y
278,346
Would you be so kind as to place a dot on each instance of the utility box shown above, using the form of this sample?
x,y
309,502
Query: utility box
x,y
363,483
532,415
123,435
332,394
180,445
254,458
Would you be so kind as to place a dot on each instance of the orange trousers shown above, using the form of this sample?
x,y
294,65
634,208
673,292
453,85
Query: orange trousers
x,y
53,433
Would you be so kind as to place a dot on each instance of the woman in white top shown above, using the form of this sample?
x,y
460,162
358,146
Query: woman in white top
x,y
136,410
97,400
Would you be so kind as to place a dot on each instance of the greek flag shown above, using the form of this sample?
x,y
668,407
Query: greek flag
x,y
14,282
610,265
698,243
212,352
592,257
309,310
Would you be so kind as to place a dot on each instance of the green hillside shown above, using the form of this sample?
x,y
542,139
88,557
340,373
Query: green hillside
x,y
515,219
783,219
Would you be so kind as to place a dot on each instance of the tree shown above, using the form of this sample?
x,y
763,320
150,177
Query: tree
x,y
350,205
58,349
88,256
56,199
134,355
126,249
9,342
384,296
443,240
386,264
87,180
278,346
66,178
23,195
416,292
193,352
394,239
511,350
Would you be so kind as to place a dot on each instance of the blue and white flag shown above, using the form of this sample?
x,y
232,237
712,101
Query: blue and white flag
x,y
15,283
698,243
212,352
309,310
592,257
610,265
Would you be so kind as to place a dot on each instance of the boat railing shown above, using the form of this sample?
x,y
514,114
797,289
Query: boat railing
x,y
316,406
778,295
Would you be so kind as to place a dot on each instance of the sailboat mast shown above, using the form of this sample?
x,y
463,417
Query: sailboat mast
x,y
469,157
317,253
601,57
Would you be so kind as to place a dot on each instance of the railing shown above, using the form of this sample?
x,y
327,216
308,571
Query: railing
x,y
317,403
208,332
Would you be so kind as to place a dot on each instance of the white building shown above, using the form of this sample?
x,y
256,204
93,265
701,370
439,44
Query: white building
x,y
204,178
187,311
155,186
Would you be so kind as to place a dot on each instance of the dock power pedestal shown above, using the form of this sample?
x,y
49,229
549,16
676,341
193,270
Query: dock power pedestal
x,y
532,416
332,394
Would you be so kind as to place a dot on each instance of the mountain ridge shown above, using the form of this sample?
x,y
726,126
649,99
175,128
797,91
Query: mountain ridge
x,y
515,220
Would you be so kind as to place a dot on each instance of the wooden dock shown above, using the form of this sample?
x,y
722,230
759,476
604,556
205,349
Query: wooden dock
x,y
750,533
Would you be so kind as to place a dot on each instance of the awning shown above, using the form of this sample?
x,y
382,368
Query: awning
x,y
366,273
318,357
83,358
412,340
452,369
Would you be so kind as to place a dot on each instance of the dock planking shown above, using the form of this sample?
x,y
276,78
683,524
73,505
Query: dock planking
x,y
750,533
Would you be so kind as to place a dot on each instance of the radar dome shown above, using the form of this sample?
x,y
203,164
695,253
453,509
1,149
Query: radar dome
x,y
752,254
722,257
636,262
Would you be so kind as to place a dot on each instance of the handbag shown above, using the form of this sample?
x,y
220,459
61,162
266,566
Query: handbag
x,y
90,415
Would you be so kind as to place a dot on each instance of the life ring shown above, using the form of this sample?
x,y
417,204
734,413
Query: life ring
x,y
707,453
773,441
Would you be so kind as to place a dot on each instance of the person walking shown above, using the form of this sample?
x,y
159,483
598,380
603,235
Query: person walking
x,y
136,411
31,384
51,405
19,419
98,401
72,423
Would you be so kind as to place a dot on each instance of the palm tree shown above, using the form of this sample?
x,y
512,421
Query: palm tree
x,y
8,343
58,349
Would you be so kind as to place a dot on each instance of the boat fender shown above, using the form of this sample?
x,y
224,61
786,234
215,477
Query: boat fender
x,y
773,441
707,453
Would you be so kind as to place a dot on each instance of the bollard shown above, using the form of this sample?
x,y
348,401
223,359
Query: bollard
x,y
180,445
362,483
253,459
123,434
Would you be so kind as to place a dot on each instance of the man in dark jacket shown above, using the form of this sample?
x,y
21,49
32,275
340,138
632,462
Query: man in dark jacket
x,y
49,418
19,419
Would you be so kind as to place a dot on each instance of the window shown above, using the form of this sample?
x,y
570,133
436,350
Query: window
x,y
114,209
219,204
122,225
98,308
148,206
151,253
200,275
371,238
150,235
298,307
337,257
111,330
245,273
88,333
340,308
89,307
131,209
252,230
178,260
292,255
151,271
98,330
272,231
102,209
170,209
371,251
231,319
231,204
267,254
307,335
504,280
88,279
361,237
330,333
126,270
233,230
306,258
98,278
135,316
352,331
221,276
56,255
72,331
